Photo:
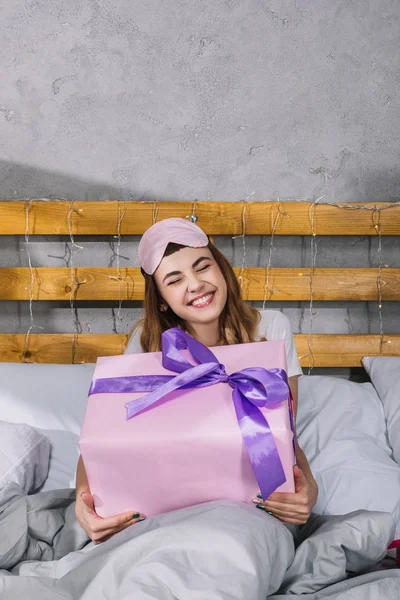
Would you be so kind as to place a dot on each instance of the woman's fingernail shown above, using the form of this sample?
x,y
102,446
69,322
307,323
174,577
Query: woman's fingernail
x,y
260,496
135,515
141,519
260,506
256,500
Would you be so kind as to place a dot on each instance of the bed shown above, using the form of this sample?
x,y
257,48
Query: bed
x,y
349,431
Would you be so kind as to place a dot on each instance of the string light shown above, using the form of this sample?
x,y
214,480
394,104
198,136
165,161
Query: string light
x,y
117,256
71,211
155,212
31,287
267,287
376,219
313,257
75,284
193,218
243,236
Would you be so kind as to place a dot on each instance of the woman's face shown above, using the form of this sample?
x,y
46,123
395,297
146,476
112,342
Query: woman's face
x,y
192,285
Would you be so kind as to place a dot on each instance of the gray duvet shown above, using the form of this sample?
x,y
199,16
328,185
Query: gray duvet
x,y
216,551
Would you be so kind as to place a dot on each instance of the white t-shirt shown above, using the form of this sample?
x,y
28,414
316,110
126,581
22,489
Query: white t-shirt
x,y
273,325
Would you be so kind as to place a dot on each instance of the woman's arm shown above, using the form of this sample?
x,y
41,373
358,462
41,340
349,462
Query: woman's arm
x,y
82,484
98,529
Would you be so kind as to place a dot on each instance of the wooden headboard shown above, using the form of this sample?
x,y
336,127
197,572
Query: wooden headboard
x,y
118,218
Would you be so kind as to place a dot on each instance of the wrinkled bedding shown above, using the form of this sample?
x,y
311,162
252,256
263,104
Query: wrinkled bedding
x,y
216,551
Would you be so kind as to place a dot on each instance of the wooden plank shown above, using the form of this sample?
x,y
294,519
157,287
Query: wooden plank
x,y
334,350
80,283
286,284
58,217
59,348
295,284
328,350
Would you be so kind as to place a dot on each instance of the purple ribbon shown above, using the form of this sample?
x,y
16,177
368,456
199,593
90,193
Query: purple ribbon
x,y
253,388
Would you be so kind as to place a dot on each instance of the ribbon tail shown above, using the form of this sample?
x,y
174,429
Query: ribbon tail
x,y
128,384
185,379
292,419
260,445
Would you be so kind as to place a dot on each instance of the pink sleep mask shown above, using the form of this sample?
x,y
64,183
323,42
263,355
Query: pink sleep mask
x,y
155,240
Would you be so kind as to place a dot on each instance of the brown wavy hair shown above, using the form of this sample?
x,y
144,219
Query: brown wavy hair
x,y
237,323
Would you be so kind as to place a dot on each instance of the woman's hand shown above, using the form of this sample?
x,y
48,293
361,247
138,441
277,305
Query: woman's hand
x,y
99,529
292,508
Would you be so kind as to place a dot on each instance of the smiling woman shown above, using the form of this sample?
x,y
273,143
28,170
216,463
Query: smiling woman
x,y
189,284
195,291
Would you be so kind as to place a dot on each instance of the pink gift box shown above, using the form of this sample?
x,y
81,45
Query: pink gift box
x,y
184,450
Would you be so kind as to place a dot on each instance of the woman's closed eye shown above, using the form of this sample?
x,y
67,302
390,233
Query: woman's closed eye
x,y
174,281
203,268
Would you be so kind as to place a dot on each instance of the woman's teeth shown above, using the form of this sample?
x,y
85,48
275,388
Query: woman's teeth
x,y
202,301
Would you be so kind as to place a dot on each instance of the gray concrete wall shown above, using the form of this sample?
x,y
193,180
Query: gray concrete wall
x,y
209,100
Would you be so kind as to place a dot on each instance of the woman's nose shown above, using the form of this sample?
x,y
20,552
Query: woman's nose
x,y
194,283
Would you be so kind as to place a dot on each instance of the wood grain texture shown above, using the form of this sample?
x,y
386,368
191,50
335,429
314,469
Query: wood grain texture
x,y
325,350
58,217
59,348
287,284
78,283
334,350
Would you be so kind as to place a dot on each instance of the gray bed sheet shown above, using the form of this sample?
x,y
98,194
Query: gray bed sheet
x,y
216,551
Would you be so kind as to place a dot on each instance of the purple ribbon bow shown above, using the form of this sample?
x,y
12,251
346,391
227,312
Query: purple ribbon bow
x,y
253,388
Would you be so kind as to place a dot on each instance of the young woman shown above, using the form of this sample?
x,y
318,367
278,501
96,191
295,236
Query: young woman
x,y
190,284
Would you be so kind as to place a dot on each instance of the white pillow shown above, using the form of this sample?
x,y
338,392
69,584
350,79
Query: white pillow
x,y
51,398
384,372
341,429
24,456
64,454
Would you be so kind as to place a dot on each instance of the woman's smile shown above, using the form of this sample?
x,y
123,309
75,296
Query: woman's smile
x,y
202,301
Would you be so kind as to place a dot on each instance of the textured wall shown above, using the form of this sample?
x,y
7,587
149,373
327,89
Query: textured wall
x,y
214,99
